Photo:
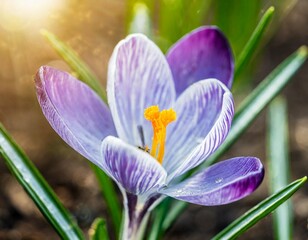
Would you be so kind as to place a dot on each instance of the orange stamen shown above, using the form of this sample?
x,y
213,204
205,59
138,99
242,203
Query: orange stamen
x,y
159,121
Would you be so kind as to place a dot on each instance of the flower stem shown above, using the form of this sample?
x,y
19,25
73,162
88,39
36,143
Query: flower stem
x,y
137,211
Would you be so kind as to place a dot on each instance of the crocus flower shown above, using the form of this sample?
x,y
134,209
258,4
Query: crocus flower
x,y
166,115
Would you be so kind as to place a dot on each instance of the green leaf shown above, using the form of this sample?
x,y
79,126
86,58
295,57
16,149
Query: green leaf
x,y
236,19
176,18
253,42
140,20
260,211
165,215
110,196
161,212
73,60
279,165
249,110
37,188
98,230
170,21
176,209
130,5
195,13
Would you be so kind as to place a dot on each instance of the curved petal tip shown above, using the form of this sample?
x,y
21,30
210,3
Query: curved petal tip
x,y
222,183
201,54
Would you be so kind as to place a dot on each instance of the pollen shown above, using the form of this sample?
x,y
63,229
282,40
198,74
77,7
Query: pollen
x,y
159,120
151,113
167,116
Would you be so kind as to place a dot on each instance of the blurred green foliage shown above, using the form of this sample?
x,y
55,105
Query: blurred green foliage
x,y
279,165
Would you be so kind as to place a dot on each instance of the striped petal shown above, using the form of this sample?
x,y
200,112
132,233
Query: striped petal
x,y
203,53
74,111
205,111
133,169
138,77
222,183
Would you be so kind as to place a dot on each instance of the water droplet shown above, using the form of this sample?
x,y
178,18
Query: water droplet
x,y
219,180
179,191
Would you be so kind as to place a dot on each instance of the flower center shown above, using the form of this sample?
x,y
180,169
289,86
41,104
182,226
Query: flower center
x,y
159,120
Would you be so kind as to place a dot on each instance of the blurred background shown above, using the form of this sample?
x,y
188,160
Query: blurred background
x,y
92,28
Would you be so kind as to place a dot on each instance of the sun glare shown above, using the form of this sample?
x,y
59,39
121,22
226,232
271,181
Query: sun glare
x,y
18,14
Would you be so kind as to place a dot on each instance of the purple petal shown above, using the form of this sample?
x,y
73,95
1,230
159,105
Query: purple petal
x,y
203,53
222,183
133,169
138,77
74,111
205,111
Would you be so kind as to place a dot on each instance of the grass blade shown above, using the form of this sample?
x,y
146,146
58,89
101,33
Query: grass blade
x,y
176,18
71,58
110,196
279,165
253,42
150,5
37,188
161,212
236,19
195,12
140,20
170,21
258,212
164,216
175,211
249,110
98,230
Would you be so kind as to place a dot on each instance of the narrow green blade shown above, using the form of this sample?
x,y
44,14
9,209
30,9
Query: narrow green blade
x,y
253,42
71,58
177,208
279,165
98,230
150,5
140,20
195,14
37,188
170,21
236,19
249,110
176,18
260,211
110,196
161,212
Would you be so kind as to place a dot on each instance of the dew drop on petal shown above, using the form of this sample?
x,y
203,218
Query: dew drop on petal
x,y
218,180
179,191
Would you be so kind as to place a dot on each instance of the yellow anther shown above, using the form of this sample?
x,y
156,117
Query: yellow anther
x,y
151,113
167,116
159,120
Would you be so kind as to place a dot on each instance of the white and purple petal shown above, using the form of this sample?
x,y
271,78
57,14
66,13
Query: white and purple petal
x,y
222,183
138,77
203,53
133,169
204,115
74,111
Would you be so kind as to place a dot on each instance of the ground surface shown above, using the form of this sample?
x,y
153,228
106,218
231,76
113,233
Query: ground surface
x,y
93,32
